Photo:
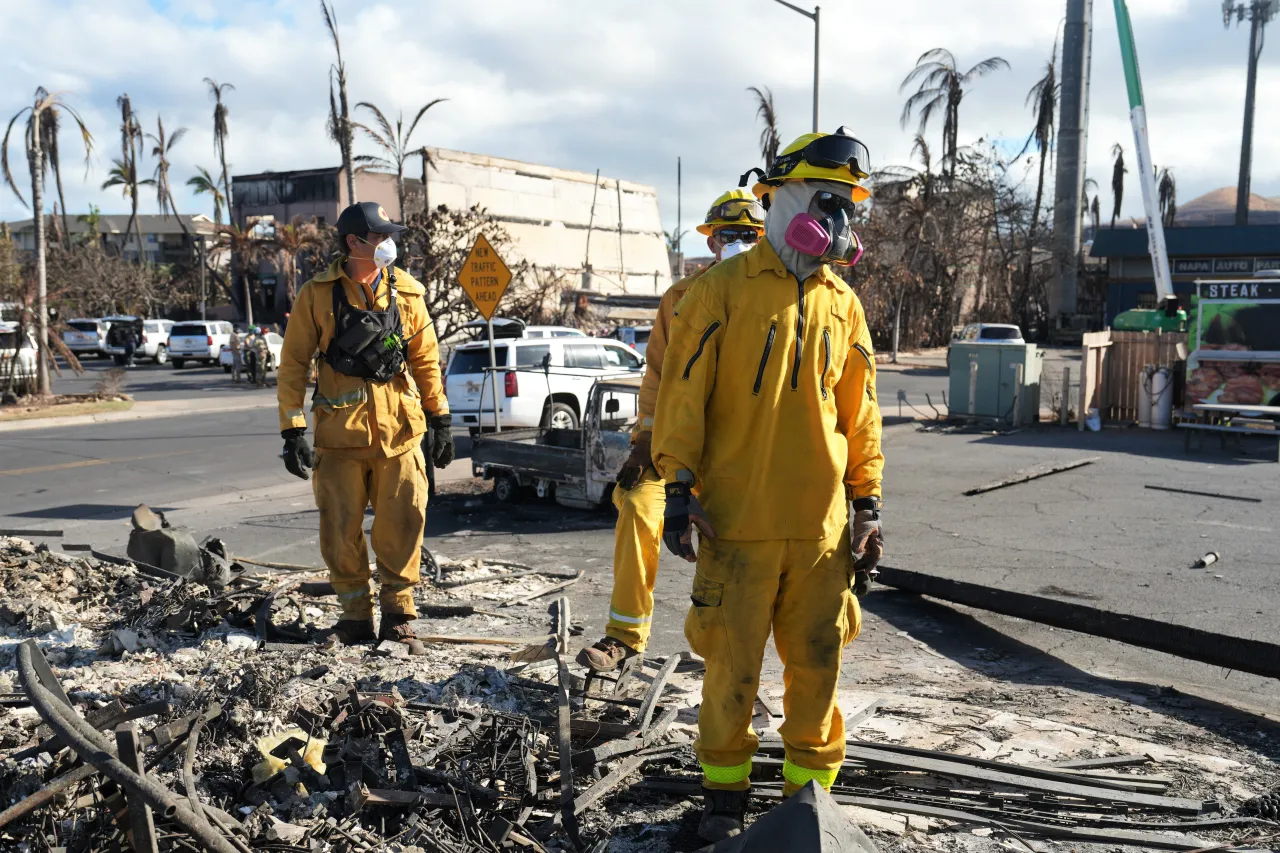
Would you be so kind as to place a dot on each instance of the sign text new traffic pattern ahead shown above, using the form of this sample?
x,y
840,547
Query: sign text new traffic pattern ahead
x,y
484,277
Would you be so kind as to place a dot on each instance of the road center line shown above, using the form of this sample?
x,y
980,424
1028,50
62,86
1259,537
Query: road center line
x,y
86,463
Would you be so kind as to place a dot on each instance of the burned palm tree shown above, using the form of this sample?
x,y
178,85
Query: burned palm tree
x,y
941,89
163,146
1167,190
394,143
1043,97
770,141
221,130
127,174
202,183
290,242
1117,182
339,114
34,140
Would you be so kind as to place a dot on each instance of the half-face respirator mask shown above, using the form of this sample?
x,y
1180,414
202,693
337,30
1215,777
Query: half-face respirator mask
x,y
823,231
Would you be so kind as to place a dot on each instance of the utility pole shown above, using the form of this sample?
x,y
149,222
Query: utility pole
x,y
1073,137
679,250
816,17
1259,13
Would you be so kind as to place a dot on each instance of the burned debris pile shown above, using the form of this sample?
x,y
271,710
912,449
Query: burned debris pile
x,y
144,712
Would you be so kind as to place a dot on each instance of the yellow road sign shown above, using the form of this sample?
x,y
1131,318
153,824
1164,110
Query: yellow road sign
x,y
484,277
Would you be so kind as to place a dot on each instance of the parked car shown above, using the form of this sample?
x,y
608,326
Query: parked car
x,y
24,371
636,337
986,333
85,336
201,340
275,345
504,327
530,395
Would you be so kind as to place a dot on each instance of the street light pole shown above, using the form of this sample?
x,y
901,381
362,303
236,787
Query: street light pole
x,y
816,17
1259,12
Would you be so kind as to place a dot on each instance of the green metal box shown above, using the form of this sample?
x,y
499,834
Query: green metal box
x,y
996,391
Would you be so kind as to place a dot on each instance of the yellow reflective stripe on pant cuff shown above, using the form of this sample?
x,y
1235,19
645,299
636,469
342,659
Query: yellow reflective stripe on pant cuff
x,y
797,775
727,775
629,620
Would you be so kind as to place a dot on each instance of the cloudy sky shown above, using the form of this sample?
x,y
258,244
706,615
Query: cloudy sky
x,y
624,87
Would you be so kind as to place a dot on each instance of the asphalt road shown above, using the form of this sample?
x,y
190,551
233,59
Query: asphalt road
x,y
162,382
1093,535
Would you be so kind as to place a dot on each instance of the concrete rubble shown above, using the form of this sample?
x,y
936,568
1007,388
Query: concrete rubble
x,y
260,738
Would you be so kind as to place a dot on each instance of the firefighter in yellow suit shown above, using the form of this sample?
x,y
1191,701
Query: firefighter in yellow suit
x,y
768,438
378,385
733,224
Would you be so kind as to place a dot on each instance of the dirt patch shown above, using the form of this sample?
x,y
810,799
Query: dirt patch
x,y
65,406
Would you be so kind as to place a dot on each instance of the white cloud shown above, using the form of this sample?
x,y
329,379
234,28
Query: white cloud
x,y
621,87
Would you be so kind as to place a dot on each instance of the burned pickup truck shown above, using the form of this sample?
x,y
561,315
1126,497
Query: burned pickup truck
x,y
576,467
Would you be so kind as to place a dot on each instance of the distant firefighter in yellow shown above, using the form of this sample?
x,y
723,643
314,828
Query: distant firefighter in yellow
x,y
767,434
734,223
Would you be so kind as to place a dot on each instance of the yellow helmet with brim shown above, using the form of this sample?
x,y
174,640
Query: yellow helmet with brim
x,y
737,207
838,157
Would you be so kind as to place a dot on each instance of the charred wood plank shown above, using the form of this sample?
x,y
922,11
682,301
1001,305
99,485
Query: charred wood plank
x,y
605,752
142,828
645,715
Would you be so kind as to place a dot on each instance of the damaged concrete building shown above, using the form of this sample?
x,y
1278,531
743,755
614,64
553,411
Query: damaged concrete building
x,y
603,232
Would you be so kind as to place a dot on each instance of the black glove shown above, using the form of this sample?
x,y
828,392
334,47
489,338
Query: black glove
x,y
639,460
867,540
298,457
441,440
682,514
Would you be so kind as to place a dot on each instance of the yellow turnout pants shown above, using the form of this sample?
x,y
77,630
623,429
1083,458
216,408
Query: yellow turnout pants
x,y
799,588
637,542
396,487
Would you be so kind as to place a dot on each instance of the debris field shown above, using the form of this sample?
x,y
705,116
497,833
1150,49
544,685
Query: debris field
x,y
143,710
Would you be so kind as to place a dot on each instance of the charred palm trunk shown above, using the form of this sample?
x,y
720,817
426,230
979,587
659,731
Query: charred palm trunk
x,y
1025,307
36,156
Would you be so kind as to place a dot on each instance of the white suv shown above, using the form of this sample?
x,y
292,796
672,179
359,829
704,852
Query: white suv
x,y
528,394
198,341
154,344
86,337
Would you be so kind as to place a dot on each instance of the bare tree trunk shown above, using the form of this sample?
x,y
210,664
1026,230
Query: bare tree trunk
x,y
404,214
897,322
248,300
36,155
226,189
346,134
1031,236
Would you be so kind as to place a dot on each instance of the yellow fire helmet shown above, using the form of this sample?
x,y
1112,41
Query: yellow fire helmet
x,y
838,157
736,207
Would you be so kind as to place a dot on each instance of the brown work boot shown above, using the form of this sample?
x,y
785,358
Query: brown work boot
x,y
606,655
722,814
398,628
350,632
